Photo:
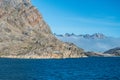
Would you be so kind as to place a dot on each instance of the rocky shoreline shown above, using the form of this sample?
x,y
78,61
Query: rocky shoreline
x,y
38,57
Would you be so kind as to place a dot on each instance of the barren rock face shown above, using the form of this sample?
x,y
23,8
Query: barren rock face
x,y
12,3
24,34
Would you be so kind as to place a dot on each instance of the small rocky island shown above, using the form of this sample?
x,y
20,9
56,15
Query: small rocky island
x,y
24,34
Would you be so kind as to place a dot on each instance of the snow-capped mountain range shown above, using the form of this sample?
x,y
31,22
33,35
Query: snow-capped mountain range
x,y
96,42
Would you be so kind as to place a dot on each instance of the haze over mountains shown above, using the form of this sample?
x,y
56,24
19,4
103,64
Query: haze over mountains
x,y
97,42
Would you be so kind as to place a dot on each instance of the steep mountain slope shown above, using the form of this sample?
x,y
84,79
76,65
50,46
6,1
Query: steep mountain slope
x,y
24,34
95,42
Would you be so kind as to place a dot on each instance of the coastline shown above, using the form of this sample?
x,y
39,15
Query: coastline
x,y
39,57
18,57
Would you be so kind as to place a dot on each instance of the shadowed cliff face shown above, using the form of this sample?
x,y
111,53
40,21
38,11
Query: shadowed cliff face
x,y
24,34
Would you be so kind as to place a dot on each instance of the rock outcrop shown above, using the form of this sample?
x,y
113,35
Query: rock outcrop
x,y
24,34
114,51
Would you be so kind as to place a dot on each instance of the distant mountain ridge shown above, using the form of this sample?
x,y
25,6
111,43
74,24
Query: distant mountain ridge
x,y
86,36
97,42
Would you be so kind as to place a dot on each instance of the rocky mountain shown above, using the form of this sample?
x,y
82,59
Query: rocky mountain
x,y
86,36
114,51
24,34
96,42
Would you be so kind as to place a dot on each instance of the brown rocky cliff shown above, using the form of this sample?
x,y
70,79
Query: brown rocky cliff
x,y
24,34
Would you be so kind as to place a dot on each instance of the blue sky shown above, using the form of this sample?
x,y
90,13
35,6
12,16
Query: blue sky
x,y
81,16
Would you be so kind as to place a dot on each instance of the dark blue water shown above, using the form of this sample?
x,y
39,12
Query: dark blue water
x,y
66,69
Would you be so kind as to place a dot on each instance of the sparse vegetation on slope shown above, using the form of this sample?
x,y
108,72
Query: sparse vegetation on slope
x,y
24,34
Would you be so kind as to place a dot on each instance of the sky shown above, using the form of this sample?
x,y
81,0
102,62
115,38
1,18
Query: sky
x,y
81,16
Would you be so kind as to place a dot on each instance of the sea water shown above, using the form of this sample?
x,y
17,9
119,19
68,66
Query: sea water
x,y
94,68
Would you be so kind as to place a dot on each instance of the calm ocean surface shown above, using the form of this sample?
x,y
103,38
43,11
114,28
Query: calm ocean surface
x,y
63,69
